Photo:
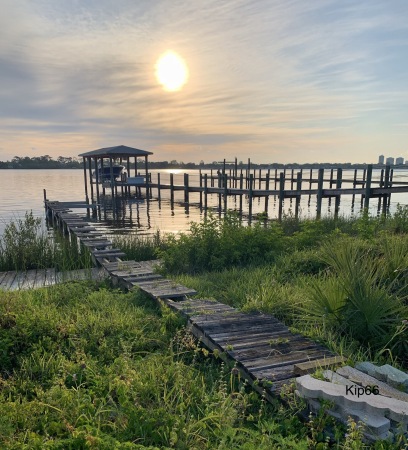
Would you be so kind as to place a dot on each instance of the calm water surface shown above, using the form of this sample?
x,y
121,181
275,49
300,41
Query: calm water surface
x,y
22,190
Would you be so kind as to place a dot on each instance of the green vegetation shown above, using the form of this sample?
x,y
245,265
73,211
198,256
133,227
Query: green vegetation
x,y
24,246
341,281
87,367
83,366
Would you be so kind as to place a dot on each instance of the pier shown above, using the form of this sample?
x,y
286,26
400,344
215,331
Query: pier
x,y
267,184
264,350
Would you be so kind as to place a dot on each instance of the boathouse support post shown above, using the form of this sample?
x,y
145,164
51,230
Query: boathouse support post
x,y
85,181
111,179
90,179
390,185
319,193
147,176
386,184
367,193
281,194
158,187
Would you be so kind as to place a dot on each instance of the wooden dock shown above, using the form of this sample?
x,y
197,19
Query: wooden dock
x,y
263,349
329,184
33,279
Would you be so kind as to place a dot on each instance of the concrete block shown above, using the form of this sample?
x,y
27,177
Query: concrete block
x,y
393,376
363,379
367,367
376,427
362,405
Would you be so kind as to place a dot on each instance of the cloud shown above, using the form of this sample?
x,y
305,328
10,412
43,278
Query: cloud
x,y
266,77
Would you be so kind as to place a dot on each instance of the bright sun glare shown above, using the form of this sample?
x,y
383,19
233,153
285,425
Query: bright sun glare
x,y
171,71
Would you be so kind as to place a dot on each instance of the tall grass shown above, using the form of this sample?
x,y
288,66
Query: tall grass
x,y
24,246
91,368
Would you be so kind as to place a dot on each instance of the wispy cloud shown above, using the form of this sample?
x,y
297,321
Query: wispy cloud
x,y
282,81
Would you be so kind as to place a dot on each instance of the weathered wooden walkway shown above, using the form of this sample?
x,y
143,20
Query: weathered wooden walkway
x,y
265,352
32,279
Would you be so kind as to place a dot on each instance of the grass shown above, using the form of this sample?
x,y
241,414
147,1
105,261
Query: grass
x,y
88,367
24,246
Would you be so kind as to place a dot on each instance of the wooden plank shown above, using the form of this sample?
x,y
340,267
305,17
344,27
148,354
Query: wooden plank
x,y
307,367
81,229
18,281
8,280
49,277
30,279
39,279
112,251
2,276
88,235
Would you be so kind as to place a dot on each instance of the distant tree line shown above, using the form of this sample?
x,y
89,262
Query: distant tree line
x,y
42,162
63,162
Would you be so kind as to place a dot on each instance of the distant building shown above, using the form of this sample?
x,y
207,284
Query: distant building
x,y
381,159
399,160
389,161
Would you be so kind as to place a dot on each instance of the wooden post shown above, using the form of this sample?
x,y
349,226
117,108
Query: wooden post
x,y
338,196
158,186
292,175
386,184
219,190
281,194
85,181
363,186
225,191
319,193
381,184
251,181
128,174
260,179
298,189
368,187
241,187
112,180
186,191
236,172
97,181
201,185
276,178
205,190
90,179
390,185
331,178
172,189
268,174
212,179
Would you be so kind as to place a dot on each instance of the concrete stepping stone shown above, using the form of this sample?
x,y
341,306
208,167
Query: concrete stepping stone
x,y
367,407
388,374
364,379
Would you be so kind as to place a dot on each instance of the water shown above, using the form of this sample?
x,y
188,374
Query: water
x,y
22,190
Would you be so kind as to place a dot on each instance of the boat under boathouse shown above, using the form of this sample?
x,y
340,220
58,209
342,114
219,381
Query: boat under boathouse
x,y
110,168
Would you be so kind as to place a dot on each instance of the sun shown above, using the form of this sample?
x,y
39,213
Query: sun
x,y
171,71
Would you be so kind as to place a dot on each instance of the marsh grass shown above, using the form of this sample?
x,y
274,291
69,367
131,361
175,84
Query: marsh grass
x,y
25,246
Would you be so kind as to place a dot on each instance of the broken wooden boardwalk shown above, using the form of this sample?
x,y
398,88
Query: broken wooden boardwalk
x,y
33,279
266,353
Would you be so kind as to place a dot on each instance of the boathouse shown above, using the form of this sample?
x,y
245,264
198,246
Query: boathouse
x,y
100,171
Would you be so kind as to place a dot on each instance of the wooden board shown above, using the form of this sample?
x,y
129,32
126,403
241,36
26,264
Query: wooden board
x,y
307,367
8,280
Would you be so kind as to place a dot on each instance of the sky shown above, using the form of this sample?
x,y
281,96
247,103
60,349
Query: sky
x,y
271,80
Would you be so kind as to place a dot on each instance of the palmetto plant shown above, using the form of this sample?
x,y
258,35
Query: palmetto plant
x,y
356,297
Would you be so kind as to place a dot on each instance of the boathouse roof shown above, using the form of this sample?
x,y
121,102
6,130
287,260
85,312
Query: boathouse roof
x,y
119,150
